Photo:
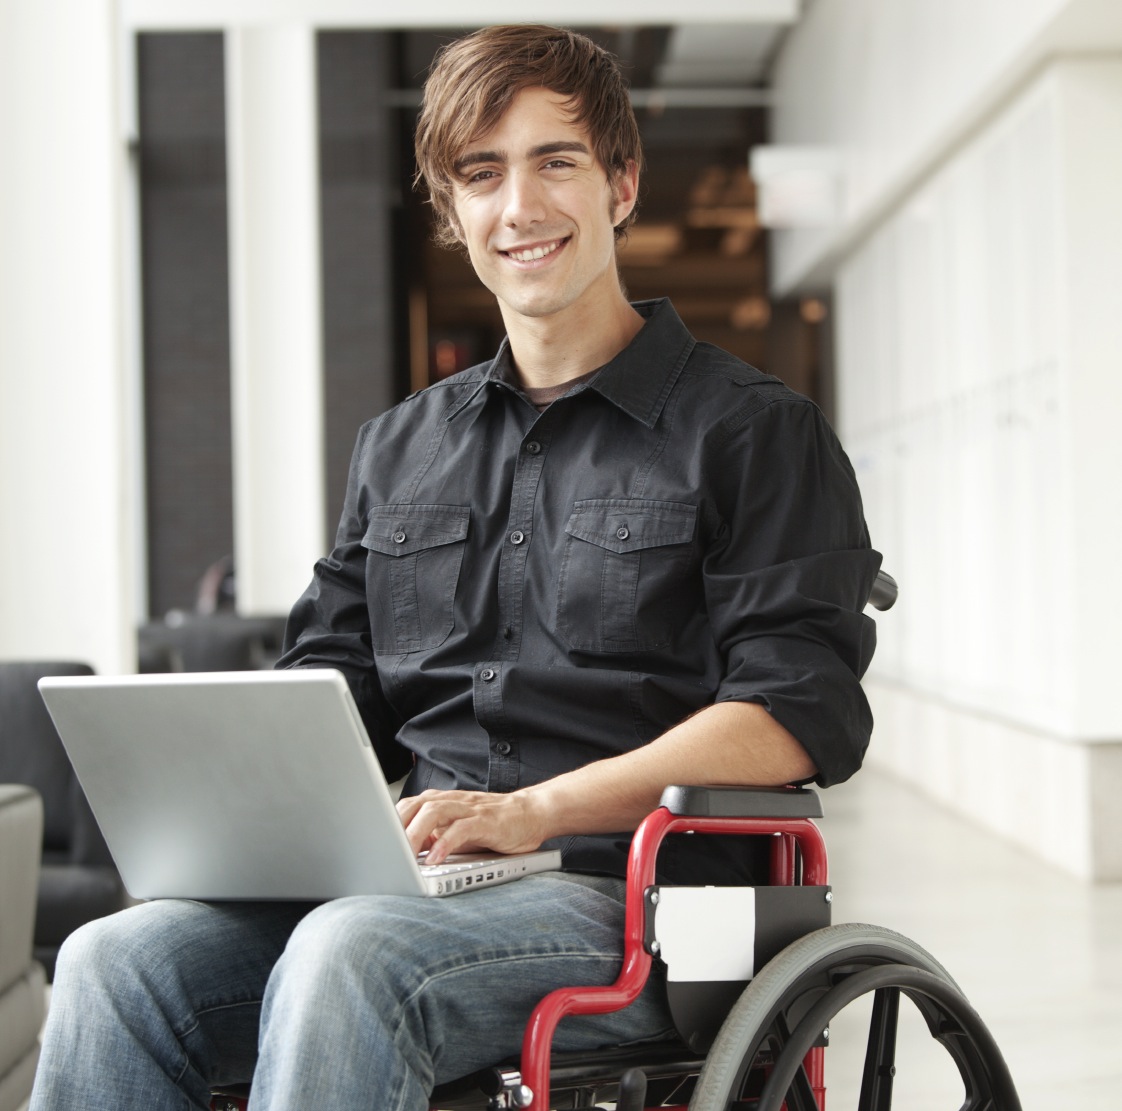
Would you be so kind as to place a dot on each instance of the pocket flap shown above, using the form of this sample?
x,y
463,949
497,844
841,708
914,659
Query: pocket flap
x,y
399,530
630,524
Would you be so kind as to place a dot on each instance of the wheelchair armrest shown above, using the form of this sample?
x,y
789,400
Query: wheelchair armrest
x,y
742,802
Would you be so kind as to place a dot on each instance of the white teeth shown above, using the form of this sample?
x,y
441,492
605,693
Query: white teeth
x,y
534,253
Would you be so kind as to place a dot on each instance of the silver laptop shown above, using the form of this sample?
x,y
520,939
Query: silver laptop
x,y
247,785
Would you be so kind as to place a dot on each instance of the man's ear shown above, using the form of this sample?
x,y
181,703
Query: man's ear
x,y
625,192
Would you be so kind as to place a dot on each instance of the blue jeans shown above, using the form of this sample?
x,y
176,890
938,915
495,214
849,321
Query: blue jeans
x,y
364,1002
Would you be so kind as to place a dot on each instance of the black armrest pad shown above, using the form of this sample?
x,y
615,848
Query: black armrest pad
x,y
742,802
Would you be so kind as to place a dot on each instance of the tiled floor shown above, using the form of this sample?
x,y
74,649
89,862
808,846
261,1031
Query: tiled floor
x,y
1039,954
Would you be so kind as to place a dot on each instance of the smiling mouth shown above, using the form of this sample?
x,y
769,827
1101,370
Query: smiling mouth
x,y
532,254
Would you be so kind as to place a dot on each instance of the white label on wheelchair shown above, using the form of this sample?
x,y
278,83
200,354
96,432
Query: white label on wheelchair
x,y
706,933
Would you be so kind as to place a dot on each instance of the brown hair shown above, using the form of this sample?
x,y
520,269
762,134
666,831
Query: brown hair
x,y
474,80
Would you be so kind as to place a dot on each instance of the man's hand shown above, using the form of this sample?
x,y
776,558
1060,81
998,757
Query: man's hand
x,y
736,743
446,822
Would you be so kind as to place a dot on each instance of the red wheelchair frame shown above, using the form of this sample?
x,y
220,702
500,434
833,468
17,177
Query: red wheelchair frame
x,y
795,841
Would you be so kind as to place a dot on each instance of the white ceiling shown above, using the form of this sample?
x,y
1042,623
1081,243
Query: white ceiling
x,y
702,55
153,15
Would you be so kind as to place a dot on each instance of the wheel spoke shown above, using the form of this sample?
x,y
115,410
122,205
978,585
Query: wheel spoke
x,y
880,1056
800,1095
784,1010
982,1068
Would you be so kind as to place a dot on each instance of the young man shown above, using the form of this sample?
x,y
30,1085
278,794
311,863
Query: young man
x,y
609,560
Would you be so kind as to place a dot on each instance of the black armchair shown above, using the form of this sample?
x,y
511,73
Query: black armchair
x,y
209,642
77,881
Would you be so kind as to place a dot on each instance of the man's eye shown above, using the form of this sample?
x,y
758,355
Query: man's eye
x,y
480,176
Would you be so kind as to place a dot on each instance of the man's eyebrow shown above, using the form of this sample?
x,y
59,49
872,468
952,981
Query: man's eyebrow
x,y
573,146
560,146
476,157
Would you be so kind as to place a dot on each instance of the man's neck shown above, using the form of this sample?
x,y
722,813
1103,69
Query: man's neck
x,y
550,350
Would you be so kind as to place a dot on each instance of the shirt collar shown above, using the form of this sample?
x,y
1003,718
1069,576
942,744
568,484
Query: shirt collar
x,y
638,380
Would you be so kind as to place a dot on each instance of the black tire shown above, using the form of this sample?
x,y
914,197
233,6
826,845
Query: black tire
x,y
785,1009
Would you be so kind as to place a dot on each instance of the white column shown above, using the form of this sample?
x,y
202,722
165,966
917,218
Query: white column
x,y
68,510
276,348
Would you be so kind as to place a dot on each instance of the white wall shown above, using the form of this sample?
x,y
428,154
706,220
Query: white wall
x,y
68,538
978,279
953,399
891,87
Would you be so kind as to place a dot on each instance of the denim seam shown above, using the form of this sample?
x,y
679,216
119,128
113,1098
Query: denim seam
x,y
537,956
182,1035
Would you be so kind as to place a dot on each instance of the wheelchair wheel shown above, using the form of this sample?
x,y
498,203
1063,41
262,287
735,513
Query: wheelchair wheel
x,y
757,1058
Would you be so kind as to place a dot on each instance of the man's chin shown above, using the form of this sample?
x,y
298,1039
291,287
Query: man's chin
x,y
532,308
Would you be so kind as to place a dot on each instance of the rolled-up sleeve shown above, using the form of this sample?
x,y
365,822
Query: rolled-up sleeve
x,y
787,578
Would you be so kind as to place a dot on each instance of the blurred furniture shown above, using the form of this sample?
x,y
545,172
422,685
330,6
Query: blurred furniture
x,y
209,642
77,879
22,981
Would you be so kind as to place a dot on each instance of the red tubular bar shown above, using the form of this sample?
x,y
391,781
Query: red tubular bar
x,y
815,1064
537,1041
783,860
784,872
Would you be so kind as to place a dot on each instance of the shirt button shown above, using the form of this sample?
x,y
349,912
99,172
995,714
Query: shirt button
x,y
533,447
623,532
517,537
399,537
503,748
487,674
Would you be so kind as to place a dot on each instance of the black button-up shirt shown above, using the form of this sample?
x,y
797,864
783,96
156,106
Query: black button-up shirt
x,y
516,593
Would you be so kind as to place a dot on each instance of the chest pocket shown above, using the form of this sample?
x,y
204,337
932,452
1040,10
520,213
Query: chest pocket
x,y
628,577
413,559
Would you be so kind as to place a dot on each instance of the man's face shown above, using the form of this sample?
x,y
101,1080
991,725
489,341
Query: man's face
x,y
536,211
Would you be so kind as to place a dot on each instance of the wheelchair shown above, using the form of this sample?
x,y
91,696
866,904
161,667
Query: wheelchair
x,y
755,977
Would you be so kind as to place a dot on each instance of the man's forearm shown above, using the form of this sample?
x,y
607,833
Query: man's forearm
x,y
735,743
729,743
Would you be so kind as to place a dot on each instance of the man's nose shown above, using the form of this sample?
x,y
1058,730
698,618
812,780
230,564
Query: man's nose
x,y
523,200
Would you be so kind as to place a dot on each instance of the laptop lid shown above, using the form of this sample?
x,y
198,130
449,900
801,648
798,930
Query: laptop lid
x,y
246,785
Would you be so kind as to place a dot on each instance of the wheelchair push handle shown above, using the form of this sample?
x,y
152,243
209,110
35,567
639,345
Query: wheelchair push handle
x,y
884,592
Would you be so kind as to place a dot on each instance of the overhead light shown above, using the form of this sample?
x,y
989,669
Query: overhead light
x,y
737,242
751,313
812,310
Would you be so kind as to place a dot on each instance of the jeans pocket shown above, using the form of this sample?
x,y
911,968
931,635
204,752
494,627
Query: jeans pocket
x,y
413,559
628,574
